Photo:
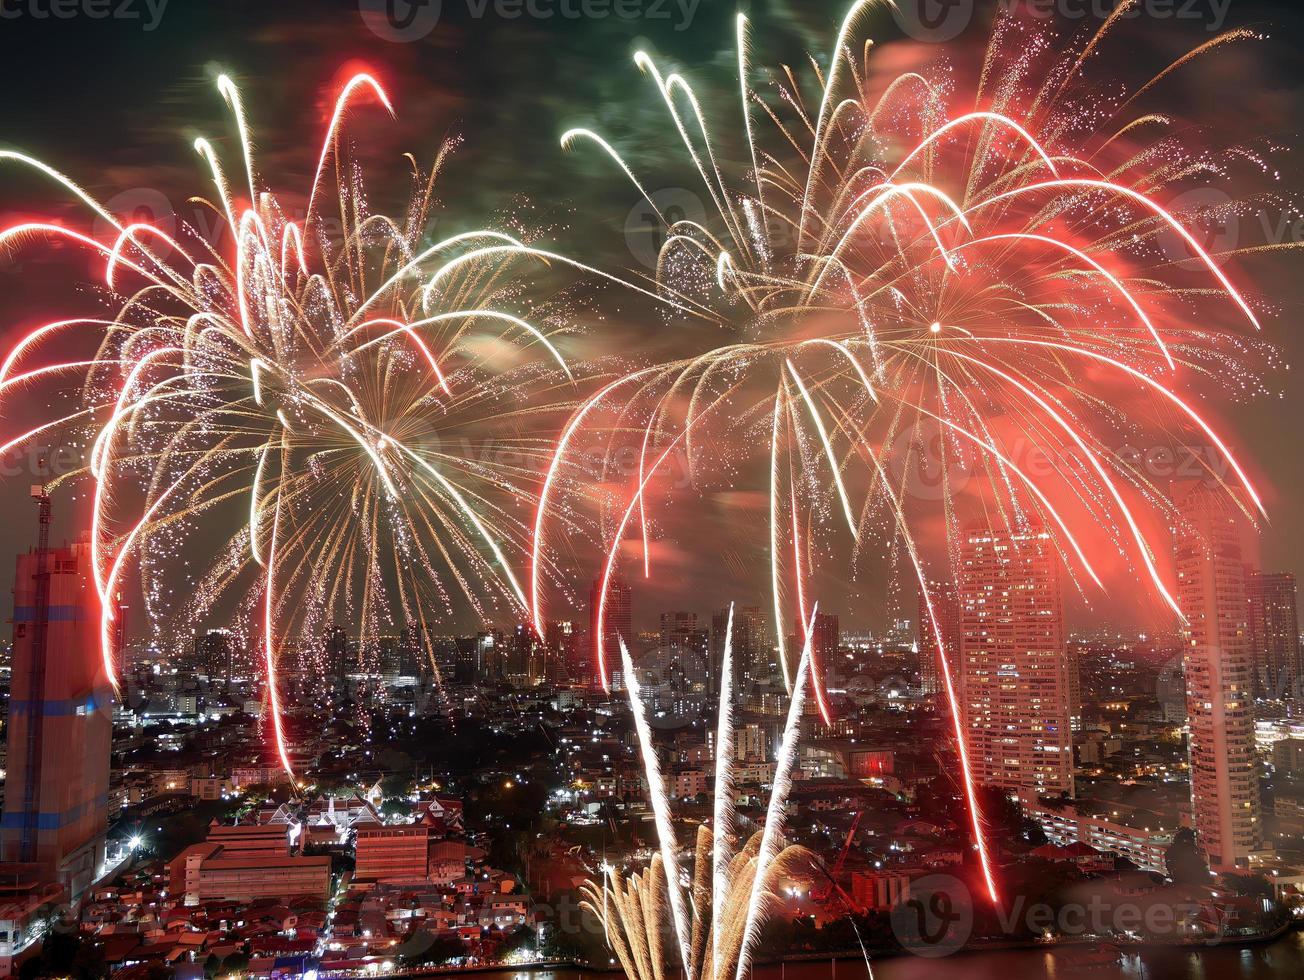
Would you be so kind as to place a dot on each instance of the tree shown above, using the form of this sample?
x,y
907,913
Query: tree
x,y
1185,861
424,948
235,963
523,938
64,953
1249,886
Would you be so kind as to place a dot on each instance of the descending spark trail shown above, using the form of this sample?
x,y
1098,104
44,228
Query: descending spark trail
x,y
301,386
904,257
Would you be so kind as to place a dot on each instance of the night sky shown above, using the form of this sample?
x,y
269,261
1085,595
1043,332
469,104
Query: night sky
x,y
117,102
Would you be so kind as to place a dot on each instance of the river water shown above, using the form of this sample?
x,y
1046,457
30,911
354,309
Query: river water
x,y
1280,960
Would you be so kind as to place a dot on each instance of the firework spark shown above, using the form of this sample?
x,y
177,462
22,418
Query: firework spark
x,y
997,268
716,919
358,405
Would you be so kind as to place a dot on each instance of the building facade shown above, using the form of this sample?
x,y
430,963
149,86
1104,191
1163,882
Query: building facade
x,y
392,852
60,722
1272,608
939,635
1015,687
1218,668
617,622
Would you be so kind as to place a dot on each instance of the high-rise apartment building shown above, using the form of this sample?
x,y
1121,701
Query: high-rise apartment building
x,y
562,639
751,647
946,612
676,627
1218,667
826,638
618,621
680,639
60,721
216,654
1272,605
340,655
1015,688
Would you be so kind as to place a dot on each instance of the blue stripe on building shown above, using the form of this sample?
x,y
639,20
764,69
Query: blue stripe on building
x,y
58,614
53,820
65,707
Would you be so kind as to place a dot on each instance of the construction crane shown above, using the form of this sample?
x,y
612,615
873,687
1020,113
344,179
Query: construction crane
x,y
822,892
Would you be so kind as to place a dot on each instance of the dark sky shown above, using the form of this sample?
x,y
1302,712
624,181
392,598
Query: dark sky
x,y
117,101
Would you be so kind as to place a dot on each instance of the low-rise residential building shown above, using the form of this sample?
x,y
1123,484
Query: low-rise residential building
x,y
1065,824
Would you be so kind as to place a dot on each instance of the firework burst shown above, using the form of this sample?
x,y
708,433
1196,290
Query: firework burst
x,y
892,260
361,408
733,885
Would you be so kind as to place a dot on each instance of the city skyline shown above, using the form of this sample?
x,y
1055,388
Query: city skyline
x,y
585,485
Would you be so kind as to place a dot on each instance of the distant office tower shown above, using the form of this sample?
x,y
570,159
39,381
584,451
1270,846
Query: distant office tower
x,y
825,640
676,628
338,659
60,720
464,659
691,646
715,650
413,654
618,621
525,656
751,650
1015,695
1073,664
1218,669
1273,608
560,642
216,654
946,611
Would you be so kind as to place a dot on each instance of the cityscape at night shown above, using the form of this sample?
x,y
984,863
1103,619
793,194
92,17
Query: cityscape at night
x,y
652,489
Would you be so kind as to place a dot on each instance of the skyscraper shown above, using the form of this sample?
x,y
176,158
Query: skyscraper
x,y
1218,667
561,639
215,654
751,649
1273,608
60,720
946,612
676,627
618,621
826,638
338,659
1015,688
